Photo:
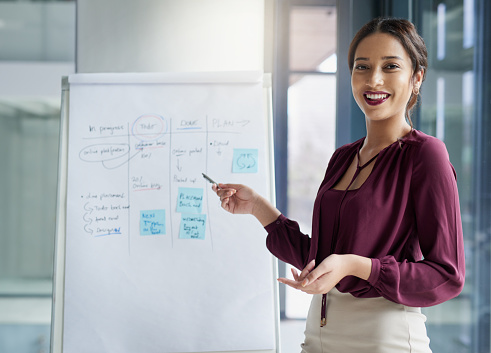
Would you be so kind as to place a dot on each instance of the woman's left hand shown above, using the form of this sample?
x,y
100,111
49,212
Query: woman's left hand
x,y
329,272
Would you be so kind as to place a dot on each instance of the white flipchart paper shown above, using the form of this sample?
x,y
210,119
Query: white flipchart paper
x,y
133,281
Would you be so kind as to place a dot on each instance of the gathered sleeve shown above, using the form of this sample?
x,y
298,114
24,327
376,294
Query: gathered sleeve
x,y
439,276
287,242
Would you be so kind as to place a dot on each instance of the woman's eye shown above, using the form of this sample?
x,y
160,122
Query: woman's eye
x,y
360,67
392,66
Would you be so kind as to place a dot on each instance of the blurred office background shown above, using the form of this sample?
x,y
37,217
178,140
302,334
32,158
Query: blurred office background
x,y
37,47
304,44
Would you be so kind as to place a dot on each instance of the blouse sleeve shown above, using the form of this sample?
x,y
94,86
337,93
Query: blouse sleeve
x,y
287,242
439,276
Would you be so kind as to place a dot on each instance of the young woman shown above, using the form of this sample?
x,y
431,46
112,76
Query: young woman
x,y
386,229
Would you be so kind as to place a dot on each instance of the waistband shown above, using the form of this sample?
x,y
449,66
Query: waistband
x,y
347,301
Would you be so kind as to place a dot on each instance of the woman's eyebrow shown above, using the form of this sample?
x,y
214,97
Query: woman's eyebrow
x,y
383,58
392,57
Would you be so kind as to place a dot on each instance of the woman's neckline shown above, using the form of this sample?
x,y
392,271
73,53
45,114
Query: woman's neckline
x,y
358,166
342,191
371,160
398,140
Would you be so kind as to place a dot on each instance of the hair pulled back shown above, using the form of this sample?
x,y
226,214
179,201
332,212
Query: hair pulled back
x,y
406,33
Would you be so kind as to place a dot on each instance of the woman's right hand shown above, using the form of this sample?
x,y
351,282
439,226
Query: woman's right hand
x,y
241,199
236,198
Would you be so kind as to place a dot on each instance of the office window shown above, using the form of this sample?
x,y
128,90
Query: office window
x,y
310,89
38,48
451,110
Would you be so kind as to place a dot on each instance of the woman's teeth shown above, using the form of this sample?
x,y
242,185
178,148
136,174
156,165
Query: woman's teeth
x,y
376,96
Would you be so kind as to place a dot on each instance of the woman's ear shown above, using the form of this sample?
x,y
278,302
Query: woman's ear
x,y
418,78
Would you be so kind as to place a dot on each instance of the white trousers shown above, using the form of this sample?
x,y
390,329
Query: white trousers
x,y
364,325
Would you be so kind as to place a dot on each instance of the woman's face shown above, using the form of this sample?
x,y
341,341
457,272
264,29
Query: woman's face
x,y
382,78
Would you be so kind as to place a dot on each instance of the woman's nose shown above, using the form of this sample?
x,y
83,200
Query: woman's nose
x,y
375,78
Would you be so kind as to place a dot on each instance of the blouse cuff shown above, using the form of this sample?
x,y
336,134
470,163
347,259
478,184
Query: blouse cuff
x,y
375,274
273,225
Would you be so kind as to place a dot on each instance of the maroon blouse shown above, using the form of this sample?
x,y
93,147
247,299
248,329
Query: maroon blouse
x,y
405,217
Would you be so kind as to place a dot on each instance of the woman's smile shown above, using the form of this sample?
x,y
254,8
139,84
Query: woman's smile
x,y
375,98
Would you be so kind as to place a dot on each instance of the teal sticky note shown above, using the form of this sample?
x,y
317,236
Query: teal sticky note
x,y
189,200
152,222
192,226
245,160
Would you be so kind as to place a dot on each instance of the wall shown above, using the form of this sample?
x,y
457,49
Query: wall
x,y
169,35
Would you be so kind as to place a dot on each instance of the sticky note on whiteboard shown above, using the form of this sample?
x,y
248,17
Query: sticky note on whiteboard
x,y
189,200
245,160
193,226
152,222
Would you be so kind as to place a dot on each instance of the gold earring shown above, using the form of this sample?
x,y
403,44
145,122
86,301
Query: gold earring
x,y
416,90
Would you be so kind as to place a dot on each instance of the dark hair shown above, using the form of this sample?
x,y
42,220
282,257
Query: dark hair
x,y
407,35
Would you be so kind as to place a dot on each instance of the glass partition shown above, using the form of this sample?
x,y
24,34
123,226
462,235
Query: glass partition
x,y
311,118
450,111
37,41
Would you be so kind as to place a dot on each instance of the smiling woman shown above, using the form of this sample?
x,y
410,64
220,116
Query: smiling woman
x,y
386,229
404,51
378,78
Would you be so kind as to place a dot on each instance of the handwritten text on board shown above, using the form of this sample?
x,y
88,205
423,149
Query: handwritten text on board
x,y
189,200
192,226
152,222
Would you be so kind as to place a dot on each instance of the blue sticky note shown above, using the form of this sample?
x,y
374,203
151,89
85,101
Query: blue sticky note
x,y
189,200
152,222
192,226
245,160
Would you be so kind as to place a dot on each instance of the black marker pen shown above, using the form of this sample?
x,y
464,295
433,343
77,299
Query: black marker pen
x,y
210,180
